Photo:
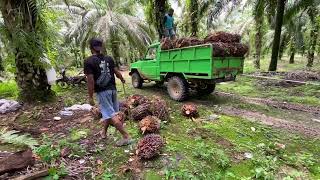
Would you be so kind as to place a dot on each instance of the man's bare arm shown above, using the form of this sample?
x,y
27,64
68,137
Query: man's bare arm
x,y
90,84
119,75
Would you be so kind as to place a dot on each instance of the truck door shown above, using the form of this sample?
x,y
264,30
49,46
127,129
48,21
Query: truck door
x,y
150,66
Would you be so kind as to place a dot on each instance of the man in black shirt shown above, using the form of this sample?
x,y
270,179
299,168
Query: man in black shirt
x,y
100,71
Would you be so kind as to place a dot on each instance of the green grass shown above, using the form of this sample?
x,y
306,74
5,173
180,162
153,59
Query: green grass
x,y
283,65
9,90
244,86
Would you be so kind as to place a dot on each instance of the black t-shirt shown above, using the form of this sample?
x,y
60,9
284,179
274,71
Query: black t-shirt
x,y
92,66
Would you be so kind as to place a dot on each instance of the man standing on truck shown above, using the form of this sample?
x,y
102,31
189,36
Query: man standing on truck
x,y
100,71
169,25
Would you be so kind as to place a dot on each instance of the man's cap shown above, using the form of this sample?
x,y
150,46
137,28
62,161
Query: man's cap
x,y
96,44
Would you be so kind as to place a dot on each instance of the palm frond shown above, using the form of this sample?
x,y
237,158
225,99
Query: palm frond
x,y
12,137
218,8
296,6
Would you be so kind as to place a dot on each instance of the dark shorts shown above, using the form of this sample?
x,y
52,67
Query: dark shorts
x,y
108,102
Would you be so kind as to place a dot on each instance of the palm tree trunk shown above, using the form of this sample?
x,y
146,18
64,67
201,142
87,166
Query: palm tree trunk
x,y
313,36
258,14
282,46
194,17
292,52
258,43
1,63
277,35
160,8
115,48
84,45
291,61
30,73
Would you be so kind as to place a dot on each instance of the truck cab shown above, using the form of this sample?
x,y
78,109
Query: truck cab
x,y
148,67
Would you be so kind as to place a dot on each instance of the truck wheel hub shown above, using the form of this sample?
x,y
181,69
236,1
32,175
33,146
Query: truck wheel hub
x,y
175,89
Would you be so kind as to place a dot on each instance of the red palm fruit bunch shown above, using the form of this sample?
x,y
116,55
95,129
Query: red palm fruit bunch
x,y
136,100
140,112
190,110
150,146
150,124
123,107
166,44
159,108
223,37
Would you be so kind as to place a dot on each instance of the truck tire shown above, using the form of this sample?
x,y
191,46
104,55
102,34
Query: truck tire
x,y
208,89
178,88
136,80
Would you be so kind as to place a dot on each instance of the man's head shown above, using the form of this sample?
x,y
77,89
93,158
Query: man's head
x,y
170,12
96,45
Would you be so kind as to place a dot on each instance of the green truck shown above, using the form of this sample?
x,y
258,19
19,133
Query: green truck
x,y
186,68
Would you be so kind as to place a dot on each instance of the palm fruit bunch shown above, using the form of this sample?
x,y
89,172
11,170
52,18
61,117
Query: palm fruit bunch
x,y
159,108
239,50
166,44
149,146
195,41
120,117
123,106
150,124
181,42
136,100
223,37
190,110
140,112
226,44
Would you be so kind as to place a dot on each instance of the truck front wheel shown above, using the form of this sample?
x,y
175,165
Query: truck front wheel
x,y
206,89
137,81
178,88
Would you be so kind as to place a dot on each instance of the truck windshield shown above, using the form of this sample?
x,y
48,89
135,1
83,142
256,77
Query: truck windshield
x,y
151,54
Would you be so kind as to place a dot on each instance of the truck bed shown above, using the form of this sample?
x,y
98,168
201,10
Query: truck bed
x,y
198,62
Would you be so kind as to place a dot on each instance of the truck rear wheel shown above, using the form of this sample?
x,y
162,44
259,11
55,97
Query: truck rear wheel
x,y
136,80
206,89
178,88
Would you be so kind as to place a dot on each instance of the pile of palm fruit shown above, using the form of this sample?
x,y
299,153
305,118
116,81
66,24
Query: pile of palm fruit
x,y
149,113
224,44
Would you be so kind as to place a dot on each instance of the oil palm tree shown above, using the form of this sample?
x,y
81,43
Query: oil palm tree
x,y
114,21
284,14
258,12
313,13
154,13
26,31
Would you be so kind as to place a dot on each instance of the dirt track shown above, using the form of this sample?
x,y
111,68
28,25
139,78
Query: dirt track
x,y
281,105
308,127
273,122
